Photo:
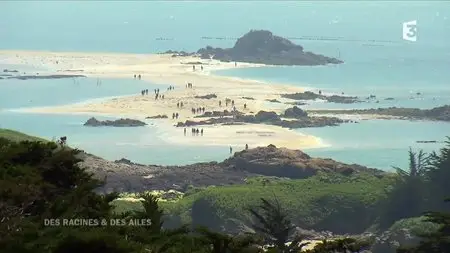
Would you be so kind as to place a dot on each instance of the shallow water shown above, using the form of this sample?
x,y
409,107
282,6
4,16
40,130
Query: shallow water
x,y
393,68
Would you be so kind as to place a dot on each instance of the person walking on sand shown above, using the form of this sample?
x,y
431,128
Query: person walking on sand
x,y
245,106
181,104
201,132
173,115
176,115
246,146
193,67
220,103
178,105
184,131
235,64
134,76
197,131
201,67
232,102
139,77
162,96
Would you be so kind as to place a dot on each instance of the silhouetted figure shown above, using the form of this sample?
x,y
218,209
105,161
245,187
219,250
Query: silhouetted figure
x,y
178,104
193,110
181,104
203,109
156,97
235,64
246,146
173,115
176,115
184,131
134,76
197,131
139,77
201,67
142,92
154,91
162,96
231,150
245,106
342,93
193,67
201,132
193,131
62,141
146,91
220,103
232,103
320,92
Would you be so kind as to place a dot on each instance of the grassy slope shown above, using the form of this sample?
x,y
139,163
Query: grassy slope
x,y
18,136
322,202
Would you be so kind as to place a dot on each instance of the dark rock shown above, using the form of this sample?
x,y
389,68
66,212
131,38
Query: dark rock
x,y
248,98
295,113
282,162
260,46
45,77
263,116
10,71
308,95
389,99
157,117
209,96
116,123
273,100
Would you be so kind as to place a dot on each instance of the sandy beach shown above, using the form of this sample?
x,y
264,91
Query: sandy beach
x,y
177,72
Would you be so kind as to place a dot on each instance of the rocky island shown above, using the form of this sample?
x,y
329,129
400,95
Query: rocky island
x,y
441,113
297,119
261,46
308,95
93,122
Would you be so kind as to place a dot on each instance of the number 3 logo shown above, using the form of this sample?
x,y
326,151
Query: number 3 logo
x,y
410,30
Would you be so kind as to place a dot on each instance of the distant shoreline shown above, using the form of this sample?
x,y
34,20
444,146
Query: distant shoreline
x,y
164,69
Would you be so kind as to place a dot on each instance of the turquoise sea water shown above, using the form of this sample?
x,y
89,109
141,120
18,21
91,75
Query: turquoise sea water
x,y
393,68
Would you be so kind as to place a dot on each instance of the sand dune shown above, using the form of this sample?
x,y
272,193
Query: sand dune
x,y
175,71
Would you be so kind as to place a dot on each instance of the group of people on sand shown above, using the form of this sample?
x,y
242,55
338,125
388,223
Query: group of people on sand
x,y
157,95
175,115
193,67
198,110
144,92
139,76
180,104
194,131
189,85
170,88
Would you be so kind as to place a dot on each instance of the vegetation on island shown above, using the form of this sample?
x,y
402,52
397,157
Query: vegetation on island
x,y
40,181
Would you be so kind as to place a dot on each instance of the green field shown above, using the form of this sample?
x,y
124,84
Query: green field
x,y
18,136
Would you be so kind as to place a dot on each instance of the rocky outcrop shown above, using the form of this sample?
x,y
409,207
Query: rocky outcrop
x,y
264,117
308,95
209,96
273,101
93,122
124,175
441,113
295,113
282,162
45,77
157,117
261,46
10,71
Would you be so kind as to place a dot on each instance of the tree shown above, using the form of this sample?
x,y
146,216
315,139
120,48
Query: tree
x,y
275,226
436,242
439,176
408,196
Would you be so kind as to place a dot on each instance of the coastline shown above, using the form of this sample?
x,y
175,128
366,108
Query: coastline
x,y
174,71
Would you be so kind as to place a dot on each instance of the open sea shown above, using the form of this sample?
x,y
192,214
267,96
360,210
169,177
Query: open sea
x,y
367,36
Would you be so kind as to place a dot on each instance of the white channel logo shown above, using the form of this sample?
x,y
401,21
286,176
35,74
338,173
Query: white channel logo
x,y
410,30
